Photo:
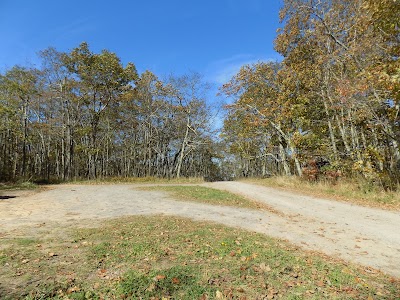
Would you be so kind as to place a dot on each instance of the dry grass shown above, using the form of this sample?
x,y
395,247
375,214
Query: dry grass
x,y
356,192
141,180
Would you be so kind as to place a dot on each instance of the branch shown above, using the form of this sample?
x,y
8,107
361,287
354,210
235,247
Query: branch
x,y
273,124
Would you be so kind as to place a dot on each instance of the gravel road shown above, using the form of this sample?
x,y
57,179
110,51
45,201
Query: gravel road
x,y
370,237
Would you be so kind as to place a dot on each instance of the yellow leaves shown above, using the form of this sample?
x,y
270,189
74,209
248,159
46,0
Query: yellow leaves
x,y
248,258
219,295
73,289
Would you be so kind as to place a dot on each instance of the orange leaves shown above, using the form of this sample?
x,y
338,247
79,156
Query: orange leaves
x,y
159,277
162,277
102,273
73,289
175,280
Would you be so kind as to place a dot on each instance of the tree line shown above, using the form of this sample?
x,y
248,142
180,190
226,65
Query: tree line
x,y
330,106
86,115
333,100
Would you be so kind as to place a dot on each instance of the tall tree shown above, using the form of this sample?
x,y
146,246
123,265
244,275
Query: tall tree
x,y
19,87
100,81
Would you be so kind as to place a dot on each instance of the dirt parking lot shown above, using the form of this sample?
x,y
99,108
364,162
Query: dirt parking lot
x,y
366,236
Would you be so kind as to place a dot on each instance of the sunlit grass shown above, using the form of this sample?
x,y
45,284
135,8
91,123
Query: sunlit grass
x,y
174,258
26,185
207,195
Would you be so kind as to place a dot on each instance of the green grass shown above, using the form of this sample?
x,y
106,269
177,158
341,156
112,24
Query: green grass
x,y
358,192
173,258
25,241
206,195
18,186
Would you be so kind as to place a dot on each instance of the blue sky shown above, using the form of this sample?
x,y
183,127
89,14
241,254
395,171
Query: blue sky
x,y
213,37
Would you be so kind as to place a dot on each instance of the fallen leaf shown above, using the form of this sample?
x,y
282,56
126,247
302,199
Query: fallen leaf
x,y
204,297
102,273
219,295
151,287
290,283
175,280
320,283
369,270
295,275
73,290
265,268
159,277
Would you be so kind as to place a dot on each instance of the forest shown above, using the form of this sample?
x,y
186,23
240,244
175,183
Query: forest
x,y
329,108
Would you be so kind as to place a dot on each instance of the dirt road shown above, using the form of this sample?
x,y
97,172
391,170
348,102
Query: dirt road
x,y
370,237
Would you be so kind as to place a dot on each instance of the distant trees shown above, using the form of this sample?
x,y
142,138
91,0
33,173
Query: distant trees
x,y
334,96
85,115
333,102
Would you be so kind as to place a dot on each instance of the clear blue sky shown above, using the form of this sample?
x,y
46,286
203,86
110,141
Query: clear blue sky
x,y
213,37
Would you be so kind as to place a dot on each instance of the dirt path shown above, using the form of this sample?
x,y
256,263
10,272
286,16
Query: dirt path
x,y
370,237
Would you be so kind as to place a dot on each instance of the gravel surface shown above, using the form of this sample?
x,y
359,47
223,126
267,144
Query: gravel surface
x,y
370,237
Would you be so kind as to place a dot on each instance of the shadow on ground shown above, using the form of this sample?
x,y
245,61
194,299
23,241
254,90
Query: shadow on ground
x,y
7,197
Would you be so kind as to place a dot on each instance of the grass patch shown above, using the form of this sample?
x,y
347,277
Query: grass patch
x,y
344,190
25,241
173,258
18,186
206,195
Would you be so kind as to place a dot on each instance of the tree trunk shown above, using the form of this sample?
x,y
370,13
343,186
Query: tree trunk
x,y
180,160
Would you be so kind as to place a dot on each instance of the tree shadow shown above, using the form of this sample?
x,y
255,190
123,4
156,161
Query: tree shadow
x,y
7,197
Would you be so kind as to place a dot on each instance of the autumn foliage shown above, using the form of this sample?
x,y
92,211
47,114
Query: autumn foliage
x,y
335,95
